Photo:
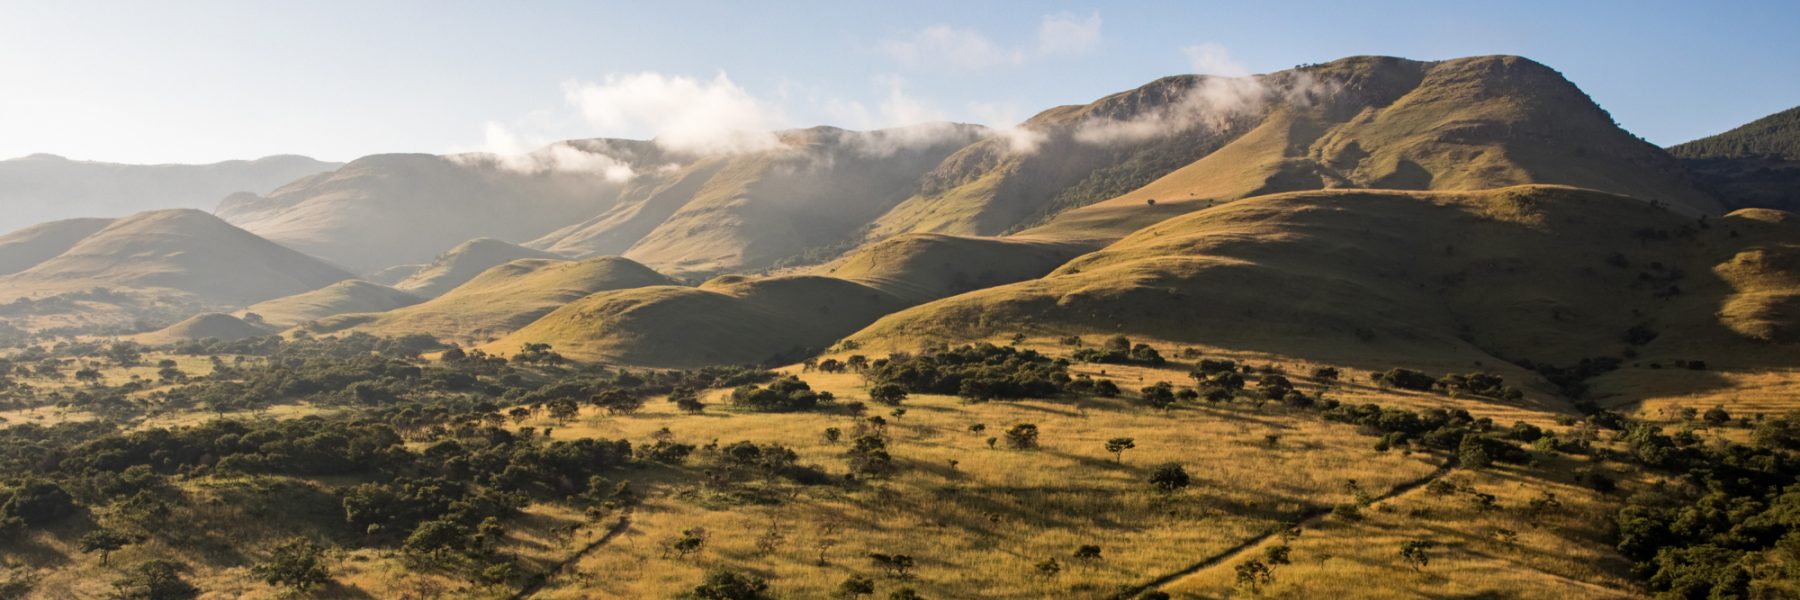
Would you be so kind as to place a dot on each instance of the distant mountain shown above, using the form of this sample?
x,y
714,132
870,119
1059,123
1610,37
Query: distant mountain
x,y
394,209
1753,166
44,187
174,255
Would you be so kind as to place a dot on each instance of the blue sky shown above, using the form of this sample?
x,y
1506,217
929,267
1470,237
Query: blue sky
x,y
200,81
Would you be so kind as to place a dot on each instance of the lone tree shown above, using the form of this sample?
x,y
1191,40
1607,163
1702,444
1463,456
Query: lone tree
x,y
104,541
1088,552
298,564
156,579
1117,446
856,586
1170,477
1252,574
1023,436
1416,553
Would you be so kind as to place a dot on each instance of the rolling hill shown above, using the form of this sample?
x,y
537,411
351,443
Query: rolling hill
x,y
25,248
44,187
500,300
386,210
181,253
1753,166
462,263
742,320
206,326
1542,273
343,297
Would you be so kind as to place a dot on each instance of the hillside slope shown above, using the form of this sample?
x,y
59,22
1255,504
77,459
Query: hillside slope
x,y
184,253
462,263
1387,123
1545,273
1756,165
500,300
740,320
25,248
44,187
386,210
343,297
819,189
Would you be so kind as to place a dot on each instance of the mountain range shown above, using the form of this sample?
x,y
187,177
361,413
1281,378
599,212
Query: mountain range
x,y
1413,207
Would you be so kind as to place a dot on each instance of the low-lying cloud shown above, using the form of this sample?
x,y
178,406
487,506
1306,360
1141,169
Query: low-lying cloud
x,y
684,114
1225,93
504,149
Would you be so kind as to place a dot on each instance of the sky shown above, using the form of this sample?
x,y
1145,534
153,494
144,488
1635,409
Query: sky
x,y
201,81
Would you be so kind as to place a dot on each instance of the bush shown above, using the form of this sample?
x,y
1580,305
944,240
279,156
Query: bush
x,y
1169,477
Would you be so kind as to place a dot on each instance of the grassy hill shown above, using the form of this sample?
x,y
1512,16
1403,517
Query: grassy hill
x,y
729,320
206,326
500,300
44,187
463,263
182,253
1377,122
738,320
25,248
343,297
1753,166
1547,274
386,210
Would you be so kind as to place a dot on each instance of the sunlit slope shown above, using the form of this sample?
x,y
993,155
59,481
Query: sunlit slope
x,y
925,266
1377,122
25,248
181,253
1550,274
462,263
343,297
501,299
1067,156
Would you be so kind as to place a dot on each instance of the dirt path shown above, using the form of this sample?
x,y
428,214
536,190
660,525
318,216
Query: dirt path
x,y
538,584
1307,519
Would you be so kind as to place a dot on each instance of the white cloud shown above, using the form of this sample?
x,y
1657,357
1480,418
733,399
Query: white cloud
x,y
1212,58
683,113
1006,122
943,46
959,49
507,150
1063,34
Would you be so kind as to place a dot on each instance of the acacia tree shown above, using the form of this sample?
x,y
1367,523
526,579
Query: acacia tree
x,y
104,541
1117,446
888,393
